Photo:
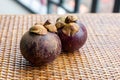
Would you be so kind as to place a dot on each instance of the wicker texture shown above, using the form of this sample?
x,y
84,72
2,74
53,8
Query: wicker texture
x,y
98,59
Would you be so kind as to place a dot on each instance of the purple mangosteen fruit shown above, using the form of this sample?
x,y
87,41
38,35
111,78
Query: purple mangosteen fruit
x,y
72,33
40,45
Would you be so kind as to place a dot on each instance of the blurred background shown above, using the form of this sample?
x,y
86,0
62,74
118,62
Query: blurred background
x,y
58,6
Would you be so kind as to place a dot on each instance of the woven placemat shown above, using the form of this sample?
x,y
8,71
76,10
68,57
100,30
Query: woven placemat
x,y
98,59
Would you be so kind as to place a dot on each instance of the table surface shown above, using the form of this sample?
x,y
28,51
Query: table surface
x,y
98,59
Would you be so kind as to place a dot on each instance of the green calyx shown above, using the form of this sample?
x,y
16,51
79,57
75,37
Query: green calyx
x,y
42,29
38,29
68,25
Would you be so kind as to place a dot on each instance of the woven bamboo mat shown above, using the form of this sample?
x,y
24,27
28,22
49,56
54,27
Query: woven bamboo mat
x,y
98,59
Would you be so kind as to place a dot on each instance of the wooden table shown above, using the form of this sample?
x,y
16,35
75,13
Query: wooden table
x,y
98,59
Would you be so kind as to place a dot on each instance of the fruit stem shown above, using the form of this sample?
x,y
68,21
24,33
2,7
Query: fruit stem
x,y
49,26
71,18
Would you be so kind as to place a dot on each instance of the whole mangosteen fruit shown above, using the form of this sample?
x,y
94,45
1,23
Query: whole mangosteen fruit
x,y
72,33
40,45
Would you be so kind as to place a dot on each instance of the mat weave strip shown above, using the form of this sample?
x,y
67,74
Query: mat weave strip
x,y
98,59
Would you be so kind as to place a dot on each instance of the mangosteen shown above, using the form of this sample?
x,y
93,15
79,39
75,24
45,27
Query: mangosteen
x,y
40,45
72,33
